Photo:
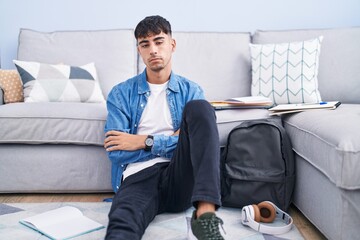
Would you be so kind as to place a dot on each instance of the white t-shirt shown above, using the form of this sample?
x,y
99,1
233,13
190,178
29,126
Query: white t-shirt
x,y
156,119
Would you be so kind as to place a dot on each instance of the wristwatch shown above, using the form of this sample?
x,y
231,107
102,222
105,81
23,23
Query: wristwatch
x,y
149,142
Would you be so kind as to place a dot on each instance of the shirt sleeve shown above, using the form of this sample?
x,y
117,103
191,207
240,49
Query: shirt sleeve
x,y
119,119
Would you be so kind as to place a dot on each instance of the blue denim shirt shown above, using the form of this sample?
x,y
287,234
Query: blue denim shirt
x,y
126,103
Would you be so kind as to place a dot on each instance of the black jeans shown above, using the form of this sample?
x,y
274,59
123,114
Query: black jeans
x,y
192,175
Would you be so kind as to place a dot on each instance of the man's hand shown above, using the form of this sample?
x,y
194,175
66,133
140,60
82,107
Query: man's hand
x,y
116,140
176,133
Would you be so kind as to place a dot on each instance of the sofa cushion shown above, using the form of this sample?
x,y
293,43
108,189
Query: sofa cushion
x,y
112,51
330,141
339,67
59,83
83,123
53,168
229,52
11,85
286,72
56,123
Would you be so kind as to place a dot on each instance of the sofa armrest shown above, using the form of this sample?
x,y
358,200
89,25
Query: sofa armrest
x,y
1,96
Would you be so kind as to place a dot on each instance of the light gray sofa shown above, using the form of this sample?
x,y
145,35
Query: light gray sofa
x,y
57,147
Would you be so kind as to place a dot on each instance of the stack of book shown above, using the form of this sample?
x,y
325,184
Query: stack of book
x,y
242,102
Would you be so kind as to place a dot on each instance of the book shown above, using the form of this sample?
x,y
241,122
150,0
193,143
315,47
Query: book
x,y
294,108
242,102
62,223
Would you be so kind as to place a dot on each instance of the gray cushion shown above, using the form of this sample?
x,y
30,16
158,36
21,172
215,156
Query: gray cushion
x,y
83,123
34,123
339,64
54,168
218,62
330,141
112,51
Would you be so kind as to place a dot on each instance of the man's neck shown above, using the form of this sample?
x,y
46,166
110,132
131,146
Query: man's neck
x,y
158,77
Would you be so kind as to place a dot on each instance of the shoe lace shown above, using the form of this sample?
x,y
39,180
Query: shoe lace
x,y
211,227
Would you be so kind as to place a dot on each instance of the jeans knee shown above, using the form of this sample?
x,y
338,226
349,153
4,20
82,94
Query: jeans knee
x,y
199,107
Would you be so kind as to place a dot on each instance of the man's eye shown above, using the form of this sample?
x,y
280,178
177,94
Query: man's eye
x,y
159,43
144,45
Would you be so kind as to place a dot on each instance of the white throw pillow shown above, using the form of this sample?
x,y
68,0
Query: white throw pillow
x,y
286,72
59,83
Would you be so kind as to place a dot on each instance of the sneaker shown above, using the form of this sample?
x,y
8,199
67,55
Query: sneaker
x,y
206,227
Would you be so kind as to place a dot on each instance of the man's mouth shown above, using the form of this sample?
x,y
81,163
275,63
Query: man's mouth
x,y
154,59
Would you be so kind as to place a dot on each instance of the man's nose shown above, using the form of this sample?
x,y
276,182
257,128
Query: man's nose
x,y
153,49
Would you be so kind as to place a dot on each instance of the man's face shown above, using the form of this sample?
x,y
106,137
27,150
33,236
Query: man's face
x,y
156,51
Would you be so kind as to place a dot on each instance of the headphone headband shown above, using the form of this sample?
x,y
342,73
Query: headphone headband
x,y
248,216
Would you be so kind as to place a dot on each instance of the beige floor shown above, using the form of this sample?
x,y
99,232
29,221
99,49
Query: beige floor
x,y
305,227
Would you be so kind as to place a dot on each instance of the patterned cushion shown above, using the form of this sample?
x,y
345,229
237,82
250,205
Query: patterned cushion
x,y
59,83
286,72
11,84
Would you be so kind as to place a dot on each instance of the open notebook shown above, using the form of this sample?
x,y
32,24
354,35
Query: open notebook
x,y
62,223
300,107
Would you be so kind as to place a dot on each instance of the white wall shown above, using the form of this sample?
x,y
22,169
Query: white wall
x,y
184,15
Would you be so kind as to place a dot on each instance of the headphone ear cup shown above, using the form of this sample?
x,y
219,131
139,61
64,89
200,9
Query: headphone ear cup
x,y
257,216
267,212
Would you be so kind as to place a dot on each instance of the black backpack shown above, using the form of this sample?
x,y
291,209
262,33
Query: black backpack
x,y
257,164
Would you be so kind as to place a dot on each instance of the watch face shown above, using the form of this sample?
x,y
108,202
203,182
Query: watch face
x,y
149,142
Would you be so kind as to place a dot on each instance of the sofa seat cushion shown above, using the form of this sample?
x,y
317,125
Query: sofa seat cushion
x,y
330,141
228,119
55,123
83,123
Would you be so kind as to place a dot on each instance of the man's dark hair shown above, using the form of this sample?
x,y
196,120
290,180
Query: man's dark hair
x,y
152,25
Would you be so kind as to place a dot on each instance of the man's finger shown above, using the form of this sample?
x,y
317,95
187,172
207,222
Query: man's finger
x,y
109,139
109,149
113,132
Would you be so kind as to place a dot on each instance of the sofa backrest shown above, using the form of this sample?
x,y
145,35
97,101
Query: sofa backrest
x,y
218,62
339,63
113,51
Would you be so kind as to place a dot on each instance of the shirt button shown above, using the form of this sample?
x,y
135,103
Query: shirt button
x,y
122,166
142,105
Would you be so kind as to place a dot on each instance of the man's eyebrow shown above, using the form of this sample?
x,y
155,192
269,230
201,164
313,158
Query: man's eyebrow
x,y
159,38
155,39
143,41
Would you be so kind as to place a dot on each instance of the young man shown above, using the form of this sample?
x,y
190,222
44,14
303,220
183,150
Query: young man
x,y
162,140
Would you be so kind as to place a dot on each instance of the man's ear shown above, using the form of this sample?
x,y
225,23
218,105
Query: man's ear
x,y
173,44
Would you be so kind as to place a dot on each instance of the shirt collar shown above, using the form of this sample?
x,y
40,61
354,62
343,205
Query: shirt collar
x,y
144,86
